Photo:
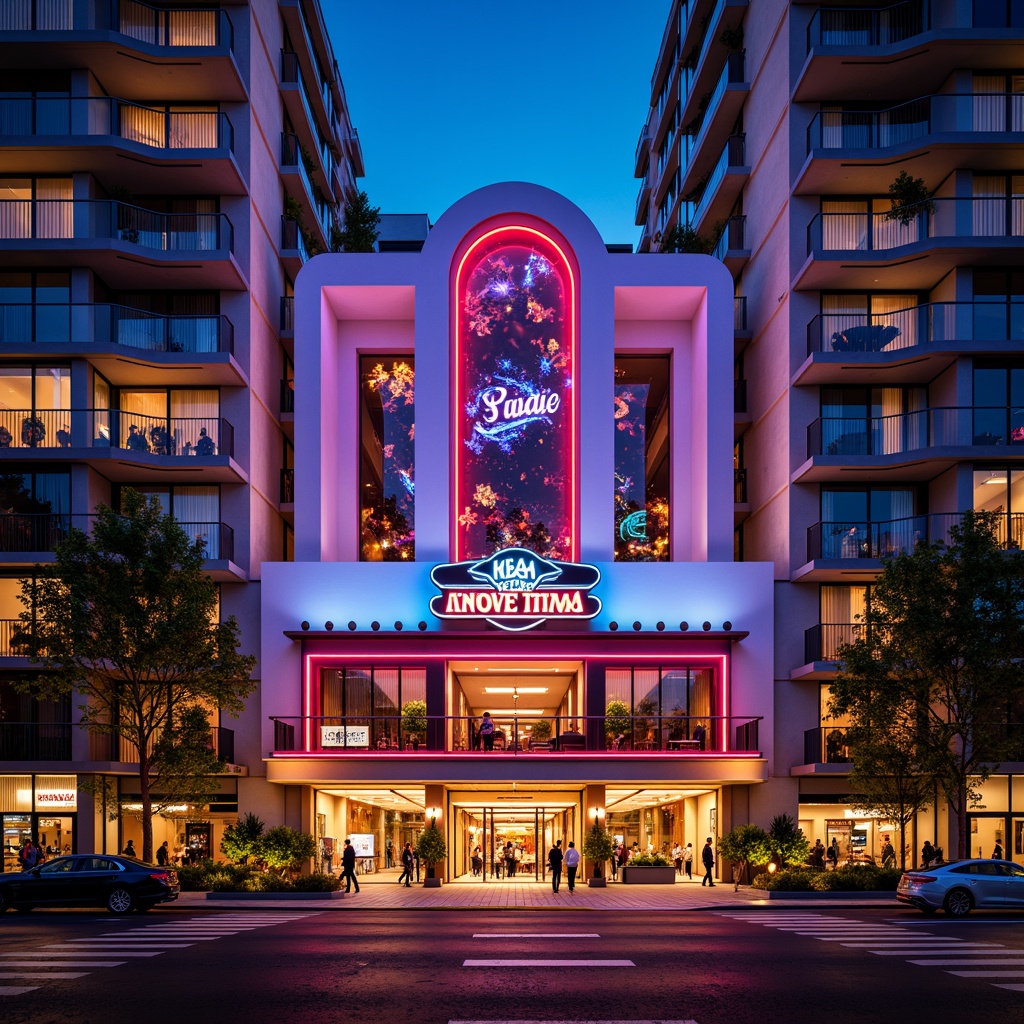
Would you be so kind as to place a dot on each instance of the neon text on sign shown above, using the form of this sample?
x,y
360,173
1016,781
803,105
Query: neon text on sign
x,y
515,409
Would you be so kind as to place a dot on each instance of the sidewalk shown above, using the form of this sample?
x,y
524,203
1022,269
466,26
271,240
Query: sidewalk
x,y
530,895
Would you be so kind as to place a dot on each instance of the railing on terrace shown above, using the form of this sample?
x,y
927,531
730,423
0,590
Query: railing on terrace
x,y
928,323
33,531
641,143
107,116
916,119
35,741
732,156
105,218
886,538
913,431
821,642
175,26
292,156
199,436
739,313
384,734
732,237
739,486
732,74
291,238
107,324
973,217
868,26
106,746
827,745
287,313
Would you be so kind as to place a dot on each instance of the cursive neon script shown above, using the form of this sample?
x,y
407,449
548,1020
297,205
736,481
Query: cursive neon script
x,y
497,404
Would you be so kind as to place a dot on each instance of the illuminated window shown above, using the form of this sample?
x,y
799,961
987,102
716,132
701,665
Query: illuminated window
x,y
386,475
515,413
642,445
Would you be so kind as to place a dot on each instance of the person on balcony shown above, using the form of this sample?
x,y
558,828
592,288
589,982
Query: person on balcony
x,y
5,437
136,440
205,445
486,731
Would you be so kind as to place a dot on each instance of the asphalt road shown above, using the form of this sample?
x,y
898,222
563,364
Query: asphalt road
x,y
741,966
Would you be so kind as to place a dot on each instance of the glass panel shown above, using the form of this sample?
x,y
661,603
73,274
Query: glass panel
x,y
15,794
515,400
642,450
387,459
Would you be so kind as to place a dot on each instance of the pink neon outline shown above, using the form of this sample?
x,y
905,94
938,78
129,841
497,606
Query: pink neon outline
x,y
458,555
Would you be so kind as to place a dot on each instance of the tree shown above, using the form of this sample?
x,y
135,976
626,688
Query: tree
x,y
939,650
283,848
786,842
598,847
743,846
910,198
123,618
430,847
360,232
241,841
185,762
683,238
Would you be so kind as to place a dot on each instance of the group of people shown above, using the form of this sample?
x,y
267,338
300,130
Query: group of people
x,y
682,857
570,859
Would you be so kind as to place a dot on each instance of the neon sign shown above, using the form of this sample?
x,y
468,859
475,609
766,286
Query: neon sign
x,y
515,589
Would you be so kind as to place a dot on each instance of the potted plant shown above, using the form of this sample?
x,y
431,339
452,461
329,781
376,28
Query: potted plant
x,y
414,721
541,731
743,846
910,198
617,721
597,848
649,869
431,849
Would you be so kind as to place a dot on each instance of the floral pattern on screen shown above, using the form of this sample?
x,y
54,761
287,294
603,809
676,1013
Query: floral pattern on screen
x,y
388,484
515,386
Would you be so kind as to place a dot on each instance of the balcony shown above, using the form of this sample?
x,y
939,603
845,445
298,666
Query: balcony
x,y
111,747
31,534
730,247
287,495
922,443
287,316
827,745
938,133
724,184
310,116
709,129
129,346
294,249
908,345
163,250
624,736
642,155
739,314
822,642
848,250
643,199
35,741
120,34
874,53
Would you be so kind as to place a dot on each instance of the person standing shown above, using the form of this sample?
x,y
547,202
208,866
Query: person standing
x,y
27,856
888,854
572,863
487,731
555,863
348,866
927,854
677,858
129,850
708,858
688,860
833,853
407,865
163,855
389,853
997,853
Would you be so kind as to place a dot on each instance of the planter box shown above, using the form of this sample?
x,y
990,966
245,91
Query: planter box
x,y
597,883
649,875
432,883
263,897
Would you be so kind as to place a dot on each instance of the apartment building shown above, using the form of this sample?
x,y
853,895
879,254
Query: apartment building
x,y
878,364
165,171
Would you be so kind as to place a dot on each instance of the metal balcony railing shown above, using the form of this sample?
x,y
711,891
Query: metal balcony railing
x,y
827,745
821,642
292,156
988,217
385,734
287,486
173,26
77,116
106,746
739,313
287,316
732,156
890,537
198,436
868,26
33,531
967,426
739,486
292,238
101,323
732,237
928,323
916,119
35,741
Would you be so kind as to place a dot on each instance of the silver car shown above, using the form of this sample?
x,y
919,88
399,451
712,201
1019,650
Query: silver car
x,y
961,885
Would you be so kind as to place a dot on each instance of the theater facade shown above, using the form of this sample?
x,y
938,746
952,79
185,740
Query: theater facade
x,y
513,504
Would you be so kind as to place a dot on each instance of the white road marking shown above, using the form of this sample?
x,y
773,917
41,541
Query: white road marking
x,y
632,1020
1014,962
27,976
77,952
990,974
536,935
32,962
548,963
16,990
1012,988
944,951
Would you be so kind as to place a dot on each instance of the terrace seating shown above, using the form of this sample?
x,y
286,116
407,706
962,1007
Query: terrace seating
x,y
868,338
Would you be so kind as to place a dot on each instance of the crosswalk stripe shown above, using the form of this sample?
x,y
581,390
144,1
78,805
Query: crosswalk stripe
x,y
1016,962
1011,988
940,951
990,974
16,990
536,935
32,962
76,952
548,963
36,976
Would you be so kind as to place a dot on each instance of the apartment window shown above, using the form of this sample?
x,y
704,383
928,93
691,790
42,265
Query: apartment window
x,y
36,208
998,404
642,447
1000,489
860,224
35,103
648,706
998,207
998,305
170,126
170,421
34,406
387,458
998,103
379,707
34,307
873,421
998,14
868,522
870,321
29,492
842,612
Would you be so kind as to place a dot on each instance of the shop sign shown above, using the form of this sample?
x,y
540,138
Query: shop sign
x,y
515,589
56,800
344,736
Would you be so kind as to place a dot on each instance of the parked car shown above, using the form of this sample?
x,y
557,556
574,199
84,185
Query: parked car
x,y
963,885
121,884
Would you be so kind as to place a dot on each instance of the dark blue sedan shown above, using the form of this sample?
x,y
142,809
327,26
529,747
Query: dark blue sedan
x,y
121,884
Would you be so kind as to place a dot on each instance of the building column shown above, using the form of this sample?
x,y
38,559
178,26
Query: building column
x,y
593,800
434,799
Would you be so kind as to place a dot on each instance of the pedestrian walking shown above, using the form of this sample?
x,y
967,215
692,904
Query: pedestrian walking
x,y
389,853
997,852
163,855
708,858
572,863
348,866
888,854
27,856
555,864
677,858
408,859
688,860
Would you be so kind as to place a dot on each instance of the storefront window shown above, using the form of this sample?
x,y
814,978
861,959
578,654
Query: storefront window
x,y
376,708
642,446
515,410
387,464
653,708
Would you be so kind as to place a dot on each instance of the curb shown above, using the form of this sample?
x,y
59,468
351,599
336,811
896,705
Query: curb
x,y
815,897
280,897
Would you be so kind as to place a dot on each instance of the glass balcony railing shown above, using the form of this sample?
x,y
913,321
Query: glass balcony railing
x,y
172,26
384,734
77,116
966,426
732,237
827,745
100,323
293,156
292,238
287,315
921,118
868,26
732,156
928,323
988,217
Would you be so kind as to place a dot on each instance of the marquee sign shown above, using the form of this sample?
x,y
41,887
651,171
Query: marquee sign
x,y
515,589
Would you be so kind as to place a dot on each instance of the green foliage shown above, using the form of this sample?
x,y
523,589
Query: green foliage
x,y
414,717
786,843
936,665
648,860
910,197
360,232
541,730
598,846
282,848
430,847
616,717
184,762
732,38
743,846
684,238
317,882
792,880
193,878
241,841
123,620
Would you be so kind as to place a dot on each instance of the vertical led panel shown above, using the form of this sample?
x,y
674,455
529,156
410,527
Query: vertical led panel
x,y
515,410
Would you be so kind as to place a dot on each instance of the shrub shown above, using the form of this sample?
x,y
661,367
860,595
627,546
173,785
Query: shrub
x,y
598,847
788,880
317,882
282,848
193,879
241,840
786,842
430,847
743,846
641,860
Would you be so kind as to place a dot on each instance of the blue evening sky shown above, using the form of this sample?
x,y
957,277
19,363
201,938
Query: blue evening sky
x,y
450,96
